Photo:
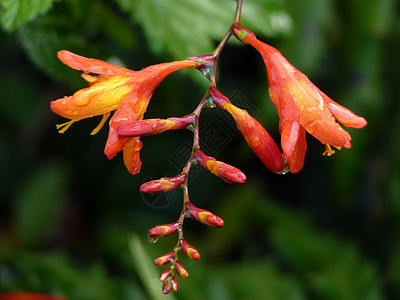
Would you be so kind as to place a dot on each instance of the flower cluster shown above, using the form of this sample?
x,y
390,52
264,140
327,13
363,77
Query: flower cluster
x,y
301,107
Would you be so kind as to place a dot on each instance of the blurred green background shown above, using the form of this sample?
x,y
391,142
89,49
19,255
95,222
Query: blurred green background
x,y
74,223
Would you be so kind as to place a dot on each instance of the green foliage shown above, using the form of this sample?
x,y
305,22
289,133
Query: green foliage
x,y
17,12
176,21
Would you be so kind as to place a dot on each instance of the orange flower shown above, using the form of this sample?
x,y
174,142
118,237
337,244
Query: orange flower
x,y
127,91
301,106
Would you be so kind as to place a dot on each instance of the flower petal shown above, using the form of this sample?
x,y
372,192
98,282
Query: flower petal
x,y
91,65
342,114
294,144
101,97
132,155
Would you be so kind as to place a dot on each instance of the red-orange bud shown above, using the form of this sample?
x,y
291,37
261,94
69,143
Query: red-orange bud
x,y
165,275
204,216
154,126
174,283
164,230
166,288
189,250
227,172
254,133
163,184
181,270
165,259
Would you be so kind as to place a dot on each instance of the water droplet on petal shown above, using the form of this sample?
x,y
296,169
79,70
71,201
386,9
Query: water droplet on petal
x,y
152,240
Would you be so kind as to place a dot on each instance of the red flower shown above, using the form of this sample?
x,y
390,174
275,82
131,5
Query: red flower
x,y
127,91
254,133
301,106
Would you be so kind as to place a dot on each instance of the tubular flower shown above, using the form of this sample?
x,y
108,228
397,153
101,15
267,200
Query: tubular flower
x,y
163,184
154,126
226,172
126,91
204,216
301,106
254,133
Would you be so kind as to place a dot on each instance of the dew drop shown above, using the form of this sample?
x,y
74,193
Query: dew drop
x,y
152,240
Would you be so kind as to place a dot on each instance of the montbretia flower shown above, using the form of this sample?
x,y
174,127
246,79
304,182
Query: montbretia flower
x,y
301,106
254,133
126,91
226,172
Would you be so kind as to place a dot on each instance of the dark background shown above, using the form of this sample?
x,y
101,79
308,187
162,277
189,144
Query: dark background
x,y
74,223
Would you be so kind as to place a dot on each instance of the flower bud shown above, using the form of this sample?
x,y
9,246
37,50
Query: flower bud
x,y
181,270
189,250
174,283
164,230
254,133
227,172
165,275
163,184
165,259
166,288
204,216
153,126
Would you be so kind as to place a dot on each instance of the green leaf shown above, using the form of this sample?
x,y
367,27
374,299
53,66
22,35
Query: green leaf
x,y
38,203
17,12
146,270
190,27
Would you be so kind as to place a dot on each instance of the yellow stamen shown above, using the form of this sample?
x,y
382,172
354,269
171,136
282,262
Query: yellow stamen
x,y
328,151
64,126
102,122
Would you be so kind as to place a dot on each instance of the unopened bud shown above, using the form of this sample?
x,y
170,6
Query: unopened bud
x,y
181,270
165,259
165,275
174,283
164,230
166,288
203,216
163,184
227,172
254,133
189,250
154,126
